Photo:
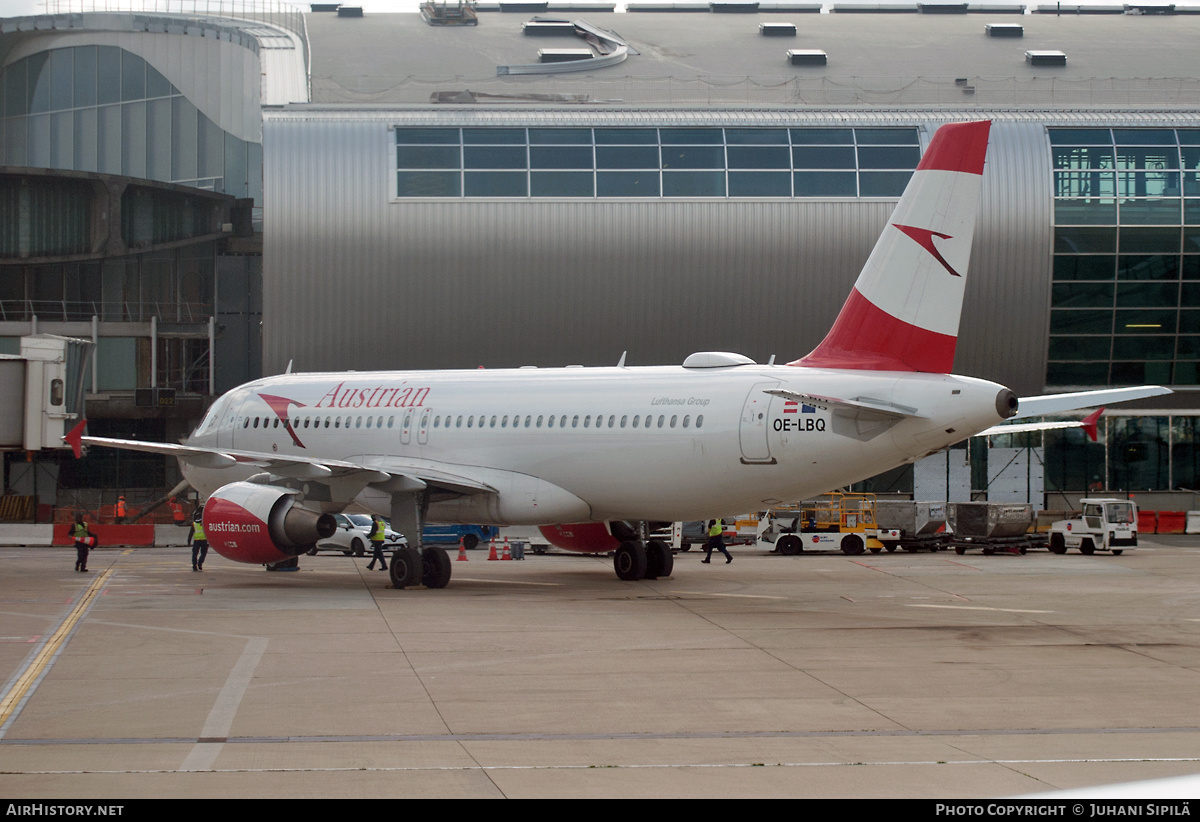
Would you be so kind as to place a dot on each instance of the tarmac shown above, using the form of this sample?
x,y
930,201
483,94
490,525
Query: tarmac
x,y
891,675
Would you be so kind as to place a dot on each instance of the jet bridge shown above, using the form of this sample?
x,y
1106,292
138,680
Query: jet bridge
x,y
41,391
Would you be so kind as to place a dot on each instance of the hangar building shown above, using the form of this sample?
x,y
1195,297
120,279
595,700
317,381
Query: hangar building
x,y
556,185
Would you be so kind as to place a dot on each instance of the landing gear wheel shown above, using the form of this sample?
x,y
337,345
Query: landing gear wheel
x,y
790,545
470,542
435,568
406,567
852,545
1057,544
1087,547
358,548
629,561
660,562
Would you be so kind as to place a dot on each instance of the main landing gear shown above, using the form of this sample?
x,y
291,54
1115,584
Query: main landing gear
x,y
430,567
636,559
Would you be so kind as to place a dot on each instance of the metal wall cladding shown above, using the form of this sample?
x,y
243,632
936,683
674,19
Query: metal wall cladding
x,y
356,279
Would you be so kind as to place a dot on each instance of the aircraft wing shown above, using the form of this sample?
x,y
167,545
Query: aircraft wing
x,y
1053,403
304,467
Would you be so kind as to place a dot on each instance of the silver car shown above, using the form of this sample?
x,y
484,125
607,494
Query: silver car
x,y
352,536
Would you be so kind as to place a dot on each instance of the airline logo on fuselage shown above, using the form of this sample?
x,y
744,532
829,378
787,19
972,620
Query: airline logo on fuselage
x,y
380,396
280,406
924,238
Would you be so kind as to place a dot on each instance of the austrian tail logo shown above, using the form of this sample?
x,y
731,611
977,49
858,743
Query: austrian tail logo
x,y
280,406
924,238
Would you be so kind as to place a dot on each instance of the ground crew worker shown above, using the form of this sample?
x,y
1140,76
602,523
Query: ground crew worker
x,y
197,540
378,535
120,510
177,512
715,540
83,542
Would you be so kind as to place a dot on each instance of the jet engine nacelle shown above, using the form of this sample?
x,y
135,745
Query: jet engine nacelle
x,y
259,524
582,537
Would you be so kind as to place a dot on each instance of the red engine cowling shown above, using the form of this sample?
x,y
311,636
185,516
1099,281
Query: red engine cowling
x,y
582,537
247,522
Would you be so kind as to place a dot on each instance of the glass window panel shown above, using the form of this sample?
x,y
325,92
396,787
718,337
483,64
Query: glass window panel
x,y
626,136
562,184
429,184
1191,239
1191,183
62,130
886,136
38,68
133,76
1150,212
825,183
691,136
1081,322
1080,157
1189,321
184,134
158,139
39,140
822,136
1148,267
560,136
16,94
627,183
62,76
693,157
1077,373
1150,240
882,183
1149,158
1083,295
1189,347
1080,136
823,157
1085,240
1085,212
85,139
1186,373
1191,267
495,157
493,136
560,157
108,74
495,184
1146,321
760,157
627,157
756,136
210,149
1144,136
427,135
1191,212
760,184
1148,183
1085,183
1147,294
236,182
84,86
428,156
1188,136
156,84
888,156
108,143
1138,373
693,183
1080,348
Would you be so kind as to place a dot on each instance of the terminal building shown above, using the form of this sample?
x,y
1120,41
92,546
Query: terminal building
x,y
217,190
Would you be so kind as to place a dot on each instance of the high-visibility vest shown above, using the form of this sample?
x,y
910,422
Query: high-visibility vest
x,y
120,508
197,530
716,529
379,532
79,531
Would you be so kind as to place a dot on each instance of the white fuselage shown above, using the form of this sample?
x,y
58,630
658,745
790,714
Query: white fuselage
x,y
598,444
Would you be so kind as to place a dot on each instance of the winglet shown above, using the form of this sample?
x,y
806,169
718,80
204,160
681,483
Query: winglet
x,y
74,438
1090,423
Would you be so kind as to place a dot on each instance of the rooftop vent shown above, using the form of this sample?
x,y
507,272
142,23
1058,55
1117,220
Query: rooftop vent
x,y
315,7
734,8
539,27
864,8
460,13
1005,30
662,8
1149,8
807,57
1045,58
349,11
942,8
563,55
522,6
777,29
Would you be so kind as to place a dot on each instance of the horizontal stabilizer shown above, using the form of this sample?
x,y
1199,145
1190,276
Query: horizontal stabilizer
x,y
1054,403
855,405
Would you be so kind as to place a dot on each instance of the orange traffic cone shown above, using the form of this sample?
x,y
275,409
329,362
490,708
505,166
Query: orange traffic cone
x,y
492,553
462,551
507,553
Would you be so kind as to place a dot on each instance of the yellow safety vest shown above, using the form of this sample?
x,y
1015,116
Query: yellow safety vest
x,y
379,532
198,530
716,530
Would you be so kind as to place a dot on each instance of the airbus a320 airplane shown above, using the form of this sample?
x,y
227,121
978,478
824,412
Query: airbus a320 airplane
x,y
608,450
